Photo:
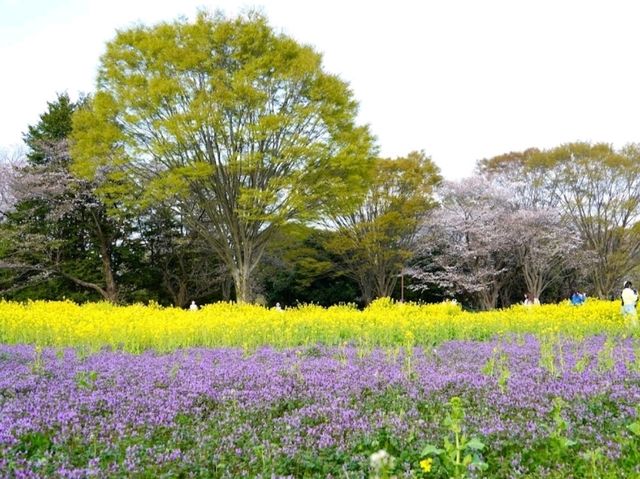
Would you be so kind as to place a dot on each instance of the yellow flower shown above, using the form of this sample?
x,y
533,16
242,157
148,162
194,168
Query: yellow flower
x,y
425,464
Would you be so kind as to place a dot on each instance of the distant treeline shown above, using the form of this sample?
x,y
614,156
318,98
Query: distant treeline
x,y
217,160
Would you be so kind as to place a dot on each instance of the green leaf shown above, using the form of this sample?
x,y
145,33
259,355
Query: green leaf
x,y
447,444
431,449
634,428
475,444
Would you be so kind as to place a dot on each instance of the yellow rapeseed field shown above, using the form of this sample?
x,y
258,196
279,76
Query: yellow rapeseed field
x,y
385,323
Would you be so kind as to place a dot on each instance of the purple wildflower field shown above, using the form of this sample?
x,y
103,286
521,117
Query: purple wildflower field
x,y
317,411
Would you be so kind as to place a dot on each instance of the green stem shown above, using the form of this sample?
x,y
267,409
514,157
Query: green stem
x,y
457,454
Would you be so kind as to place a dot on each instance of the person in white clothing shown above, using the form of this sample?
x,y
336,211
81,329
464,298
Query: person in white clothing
x,y
629,298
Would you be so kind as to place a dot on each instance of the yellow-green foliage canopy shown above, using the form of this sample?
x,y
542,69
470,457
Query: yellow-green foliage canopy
x,y
236,125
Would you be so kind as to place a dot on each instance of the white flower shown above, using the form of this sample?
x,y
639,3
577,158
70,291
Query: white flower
x,y
382,461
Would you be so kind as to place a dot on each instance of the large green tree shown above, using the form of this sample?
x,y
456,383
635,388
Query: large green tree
x,y
240,126
375,240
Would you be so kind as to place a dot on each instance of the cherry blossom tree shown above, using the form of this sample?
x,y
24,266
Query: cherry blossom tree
x,y
485,244
10,163
596,187
547,248
463,246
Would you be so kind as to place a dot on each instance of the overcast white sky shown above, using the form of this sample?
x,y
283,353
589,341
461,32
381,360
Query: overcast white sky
x,y
460,79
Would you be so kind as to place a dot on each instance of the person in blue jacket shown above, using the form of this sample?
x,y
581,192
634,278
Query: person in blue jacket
x,y
578,298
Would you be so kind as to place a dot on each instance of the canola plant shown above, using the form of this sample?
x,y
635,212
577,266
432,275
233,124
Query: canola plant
x,y
384,323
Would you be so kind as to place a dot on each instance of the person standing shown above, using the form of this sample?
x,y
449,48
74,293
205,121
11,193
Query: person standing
x,y
528,299
629,299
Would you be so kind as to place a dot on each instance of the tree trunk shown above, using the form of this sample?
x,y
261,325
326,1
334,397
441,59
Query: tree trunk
x,y
366,288
111,290
385,284
600,281
534,283
242,282
488,299
227,285
104,244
